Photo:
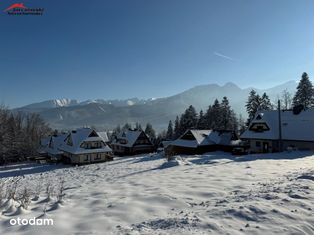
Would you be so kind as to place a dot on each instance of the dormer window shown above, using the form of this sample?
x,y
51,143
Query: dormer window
x,y
259,127
259,116
69,141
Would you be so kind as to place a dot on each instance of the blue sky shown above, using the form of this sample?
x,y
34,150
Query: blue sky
x,y
148,48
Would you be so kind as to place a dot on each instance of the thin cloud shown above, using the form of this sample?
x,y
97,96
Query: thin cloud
x,y
223,56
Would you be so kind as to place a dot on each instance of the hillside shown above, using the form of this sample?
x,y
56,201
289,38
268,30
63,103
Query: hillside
x,y
210,194
108,114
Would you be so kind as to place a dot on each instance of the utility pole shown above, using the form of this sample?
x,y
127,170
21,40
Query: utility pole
x,y
279,126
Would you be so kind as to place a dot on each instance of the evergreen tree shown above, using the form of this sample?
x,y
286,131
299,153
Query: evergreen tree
x,y
188,119
305,93
127,126
150,131
138,126
177,127
252,104
169,134
265,103
216,116
201,124
227,115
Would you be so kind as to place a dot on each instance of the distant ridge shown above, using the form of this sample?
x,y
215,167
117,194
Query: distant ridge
x,y
106,114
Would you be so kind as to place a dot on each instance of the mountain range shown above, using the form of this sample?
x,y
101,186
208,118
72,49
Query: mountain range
x,y
106,114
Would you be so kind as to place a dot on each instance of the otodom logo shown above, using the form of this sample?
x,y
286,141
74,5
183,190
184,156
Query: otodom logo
x,y
21,9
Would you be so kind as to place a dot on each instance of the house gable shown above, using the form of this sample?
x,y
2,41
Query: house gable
x,y
142,139
93,134
188,136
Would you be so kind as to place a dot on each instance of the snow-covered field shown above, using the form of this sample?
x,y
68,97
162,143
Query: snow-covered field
x,y
211,194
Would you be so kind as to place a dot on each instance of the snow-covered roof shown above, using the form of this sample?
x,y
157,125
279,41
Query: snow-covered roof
x,y
78,137
55,143
103,135
44,141
203,138
129,137
298,127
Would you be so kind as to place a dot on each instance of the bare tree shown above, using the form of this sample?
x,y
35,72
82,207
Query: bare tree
x,y
286,99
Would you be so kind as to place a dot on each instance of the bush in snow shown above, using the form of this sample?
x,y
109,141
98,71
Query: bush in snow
x,y
25,198
49,190
2,191
12,187
60,190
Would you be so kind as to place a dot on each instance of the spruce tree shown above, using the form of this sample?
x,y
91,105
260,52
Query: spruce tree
x,y
150,131
188,119
305,93
201,123
265,103
252,104
169,134
177,127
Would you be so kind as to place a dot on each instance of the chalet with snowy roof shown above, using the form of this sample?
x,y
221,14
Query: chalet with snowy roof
x,y
201,141
132,142
53,147
272,131
85,145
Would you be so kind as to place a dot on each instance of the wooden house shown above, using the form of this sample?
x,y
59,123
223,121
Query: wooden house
x,y
85,145
132,142
296,128
201,141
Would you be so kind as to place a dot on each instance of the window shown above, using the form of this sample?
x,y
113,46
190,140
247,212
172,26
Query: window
x,y
122,141
98,156
259,127
69,141
86,158
258,144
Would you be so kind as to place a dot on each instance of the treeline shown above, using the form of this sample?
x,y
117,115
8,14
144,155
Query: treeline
x,y
218,116
20,134
301,100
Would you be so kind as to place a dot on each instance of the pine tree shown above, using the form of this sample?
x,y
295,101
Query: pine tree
x,y
150,131
252,104
227,115
188,119
169,134
177,127
201,124
138,126
305,93
126,127
265,103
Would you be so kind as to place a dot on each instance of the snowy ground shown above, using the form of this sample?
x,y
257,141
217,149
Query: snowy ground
x,y
211,194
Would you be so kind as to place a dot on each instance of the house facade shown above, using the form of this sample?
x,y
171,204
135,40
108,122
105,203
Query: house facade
x,y
297,131
132,142
201,141
85,145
